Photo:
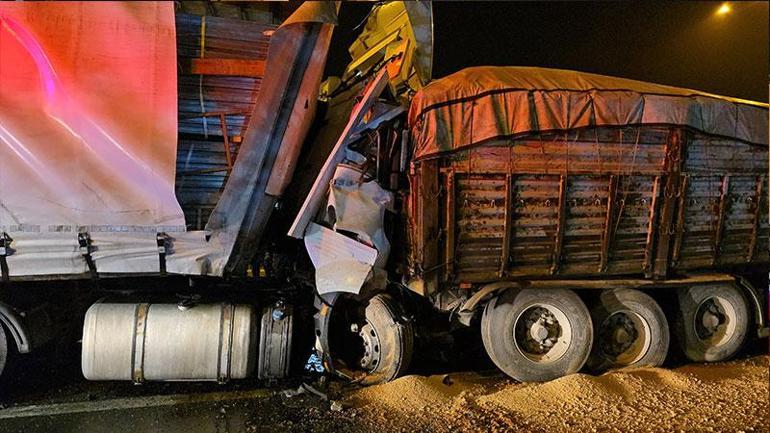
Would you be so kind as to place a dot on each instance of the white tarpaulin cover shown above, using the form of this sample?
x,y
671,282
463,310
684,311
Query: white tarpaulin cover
x,y
88,125
88,117
483,103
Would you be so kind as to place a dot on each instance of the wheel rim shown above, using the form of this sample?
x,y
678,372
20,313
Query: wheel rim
x,y
714,322
542,333
624,337
371,357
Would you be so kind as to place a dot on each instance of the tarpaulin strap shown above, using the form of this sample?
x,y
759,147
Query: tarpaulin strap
x,y
84,240
200,78
160,238
5,244
203,35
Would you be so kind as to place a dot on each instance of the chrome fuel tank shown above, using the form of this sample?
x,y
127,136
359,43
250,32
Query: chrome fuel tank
x,y
148,342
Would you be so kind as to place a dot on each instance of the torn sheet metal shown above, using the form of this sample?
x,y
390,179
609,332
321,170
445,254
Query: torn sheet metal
x,y
380,113
341,264
315,198
359,207
268,155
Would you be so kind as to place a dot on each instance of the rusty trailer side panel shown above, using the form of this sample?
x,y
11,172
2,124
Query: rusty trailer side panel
x,y
646,200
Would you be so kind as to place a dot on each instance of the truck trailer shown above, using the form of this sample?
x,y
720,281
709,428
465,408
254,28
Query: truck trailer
x,y
94,238
574,220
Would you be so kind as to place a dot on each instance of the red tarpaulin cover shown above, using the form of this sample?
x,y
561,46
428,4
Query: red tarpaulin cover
x,y
490,102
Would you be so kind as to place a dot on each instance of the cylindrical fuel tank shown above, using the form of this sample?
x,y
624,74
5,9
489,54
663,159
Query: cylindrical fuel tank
x,y
146,342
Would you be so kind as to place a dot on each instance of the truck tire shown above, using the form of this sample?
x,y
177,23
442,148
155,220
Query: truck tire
x,y
537,335
630,329
3,349
388,340
712,323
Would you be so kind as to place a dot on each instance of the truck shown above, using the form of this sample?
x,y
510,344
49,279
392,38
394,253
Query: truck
x,y
574,220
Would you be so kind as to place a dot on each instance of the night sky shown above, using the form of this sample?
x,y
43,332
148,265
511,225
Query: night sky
x,y
677,43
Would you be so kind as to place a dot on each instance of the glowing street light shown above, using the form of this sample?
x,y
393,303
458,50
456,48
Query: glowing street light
x,y
724,9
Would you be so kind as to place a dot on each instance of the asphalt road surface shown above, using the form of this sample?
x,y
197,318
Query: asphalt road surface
x,y
47,397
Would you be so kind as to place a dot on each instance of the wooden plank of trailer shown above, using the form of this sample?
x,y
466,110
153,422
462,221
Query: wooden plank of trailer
x,y
674,152
505,255
428,222
756,217
222,66
560,225
719,232
609,221
450,229
652,228
680,220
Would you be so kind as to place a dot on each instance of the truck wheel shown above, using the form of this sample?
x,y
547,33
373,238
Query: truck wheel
x,y
537,335
3,349
712,323
387,340
630,330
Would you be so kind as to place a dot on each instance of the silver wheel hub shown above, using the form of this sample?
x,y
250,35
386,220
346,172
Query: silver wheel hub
x,y
371,357
713,321
621,336
542,333
711,317
539,332
624,337
617,334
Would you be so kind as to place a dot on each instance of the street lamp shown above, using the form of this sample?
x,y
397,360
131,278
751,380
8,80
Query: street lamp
x,y
724,9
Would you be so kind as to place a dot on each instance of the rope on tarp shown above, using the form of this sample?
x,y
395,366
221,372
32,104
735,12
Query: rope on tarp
x,y
625,177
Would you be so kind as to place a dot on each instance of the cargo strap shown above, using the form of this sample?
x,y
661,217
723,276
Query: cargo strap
x,y
140,330
5,250
161,238
84,240
200,79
